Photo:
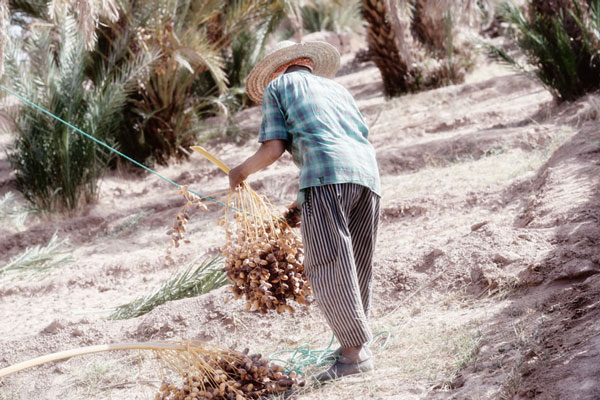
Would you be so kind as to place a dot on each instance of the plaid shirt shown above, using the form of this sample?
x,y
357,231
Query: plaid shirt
x,y
323,129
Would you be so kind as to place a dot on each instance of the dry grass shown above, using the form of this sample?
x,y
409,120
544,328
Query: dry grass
x,y
426,350
6,396
469,175
428,345
102,376
95,378
524,338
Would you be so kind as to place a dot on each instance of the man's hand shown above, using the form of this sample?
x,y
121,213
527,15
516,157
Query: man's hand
x,y
236,177
292,215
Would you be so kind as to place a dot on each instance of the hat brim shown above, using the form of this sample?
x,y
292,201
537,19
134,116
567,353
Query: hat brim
x,y
325,57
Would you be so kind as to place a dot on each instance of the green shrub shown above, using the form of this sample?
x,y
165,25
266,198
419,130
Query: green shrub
x,y
444,55
206,50
57,168
335,16
247,49
560,39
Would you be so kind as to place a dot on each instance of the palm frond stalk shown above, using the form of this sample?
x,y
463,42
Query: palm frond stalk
x,y
194,355
207,370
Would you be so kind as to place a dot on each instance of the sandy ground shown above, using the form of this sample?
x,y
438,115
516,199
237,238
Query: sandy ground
x,y
486,271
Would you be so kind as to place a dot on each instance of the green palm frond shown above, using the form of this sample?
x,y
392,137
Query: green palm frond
x,y
72,60
107,101
595,19
243,14
203,56
195,279
563,47
194,40
38,259
337,16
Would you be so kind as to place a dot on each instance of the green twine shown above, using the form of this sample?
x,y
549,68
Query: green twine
x,y
302,357
107,146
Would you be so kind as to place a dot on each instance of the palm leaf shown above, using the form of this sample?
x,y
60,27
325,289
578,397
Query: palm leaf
x,y
38,259
194,280
565,57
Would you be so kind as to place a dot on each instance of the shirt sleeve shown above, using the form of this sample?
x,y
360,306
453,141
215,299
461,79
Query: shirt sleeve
x,y
273,122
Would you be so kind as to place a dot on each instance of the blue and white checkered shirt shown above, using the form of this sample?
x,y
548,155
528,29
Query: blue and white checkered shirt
x,y
323,129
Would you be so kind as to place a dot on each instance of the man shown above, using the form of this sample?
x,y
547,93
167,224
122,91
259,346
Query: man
x,y
318,122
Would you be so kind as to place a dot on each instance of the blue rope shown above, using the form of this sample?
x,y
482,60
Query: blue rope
x,y
107,146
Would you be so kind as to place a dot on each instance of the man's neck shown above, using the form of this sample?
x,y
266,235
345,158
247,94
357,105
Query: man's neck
x,y
293,68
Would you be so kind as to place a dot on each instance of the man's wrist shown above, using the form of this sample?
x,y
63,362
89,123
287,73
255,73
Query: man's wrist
x,y
244,171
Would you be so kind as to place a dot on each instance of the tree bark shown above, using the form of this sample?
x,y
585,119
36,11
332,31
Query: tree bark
x,y
384,48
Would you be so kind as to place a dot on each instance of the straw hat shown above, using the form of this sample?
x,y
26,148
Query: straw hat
x,y
325,57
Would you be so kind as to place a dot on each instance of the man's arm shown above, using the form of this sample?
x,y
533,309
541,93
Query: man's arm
x,y
267,154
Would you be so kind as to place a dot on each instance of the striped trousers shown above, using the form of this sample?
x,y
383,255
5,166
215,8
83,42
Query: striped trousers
x,y
339,230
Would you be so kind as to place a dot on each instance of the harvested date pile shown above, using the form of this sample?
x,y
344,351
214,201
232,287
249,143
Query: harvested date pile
x,y
235,376
263,255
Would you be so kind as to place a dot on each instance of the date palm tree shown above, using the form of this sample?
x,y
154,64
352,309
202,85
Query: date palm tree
x,y
560,39
386,47
58,169
194,38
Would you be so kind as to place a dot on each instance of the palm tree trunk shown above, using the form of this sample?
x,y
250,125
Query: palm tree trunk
x,y
385,49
